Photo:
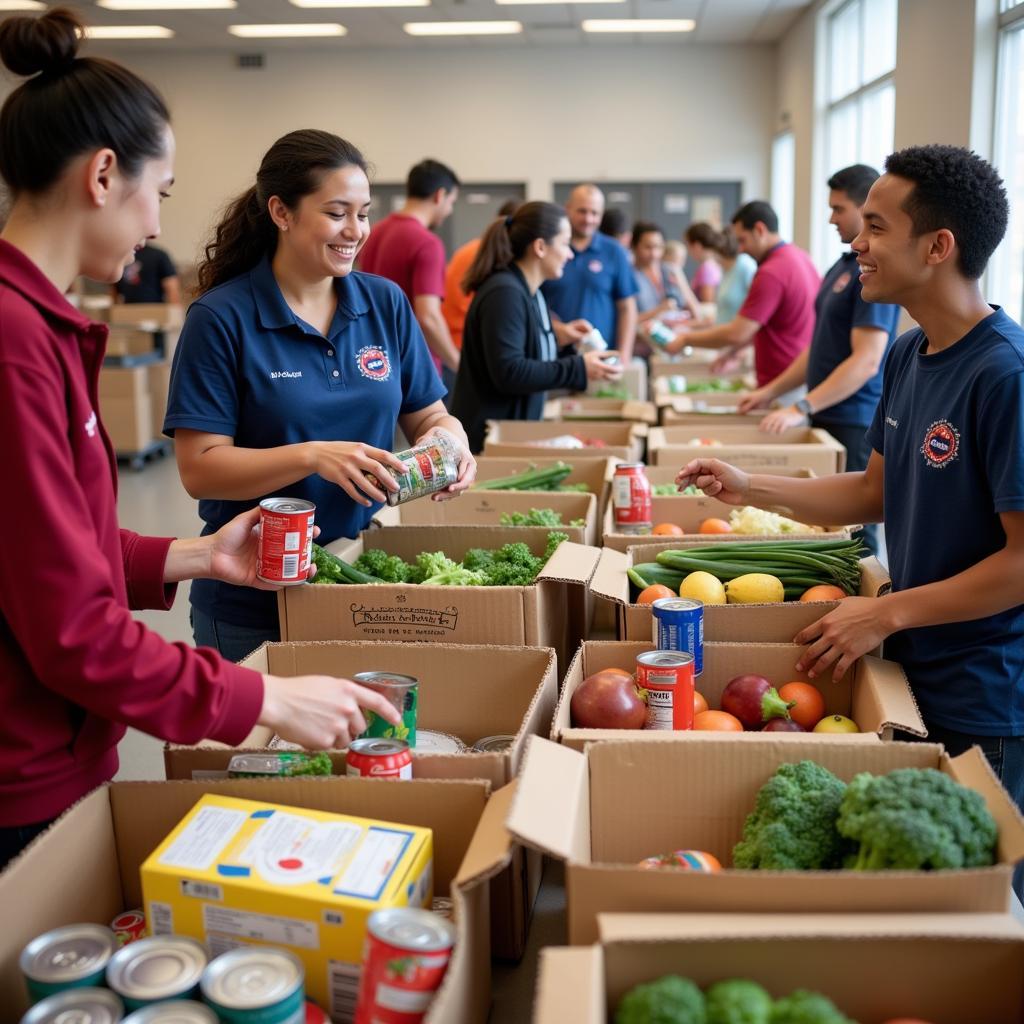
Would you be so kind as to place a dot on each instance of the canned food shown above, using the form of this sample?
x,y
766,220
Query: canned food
x,y
379,759
593,342
429,741
429,468
678,625
286,540
314,1015
257,984
404,960
283,764
77,1006
667,676
75,956
159,968
631,498
493,744
175,1012
659,333
402,693
129,927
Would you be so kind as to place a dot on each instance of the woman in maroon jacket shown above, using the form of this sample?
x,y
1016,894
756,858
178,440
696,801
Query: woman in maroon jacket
x,y
86,152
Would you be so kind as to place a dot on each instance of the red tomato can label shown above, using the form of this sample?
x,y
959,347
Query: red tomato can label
x,y
379,758
668,678
631,498
286,540
405,957
129,927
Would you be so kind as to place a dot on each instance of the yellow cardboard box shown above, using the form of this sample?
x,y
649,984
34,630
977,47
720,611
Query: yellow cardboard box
x,y
236,872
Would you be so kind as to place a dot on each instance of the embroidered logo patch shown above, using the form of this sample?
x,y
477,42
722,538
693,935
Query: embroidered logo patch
x,y
373,363
941,444
841,282
595,266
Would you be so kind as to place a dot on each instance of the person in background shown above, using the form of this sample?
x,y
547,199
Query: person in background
x,y
510,356
404,248
659,291
292,370
842,368
87,157
615,224
777,316
456,301
150,277
597,288
946,474
738,271
700,239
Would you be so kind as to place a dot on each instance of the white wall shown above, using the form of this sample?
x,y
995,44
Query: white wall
x,y
657,112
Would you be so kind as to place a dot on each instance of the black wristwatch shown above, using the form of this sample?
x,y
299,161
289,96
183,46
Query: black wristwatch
x,y
802,405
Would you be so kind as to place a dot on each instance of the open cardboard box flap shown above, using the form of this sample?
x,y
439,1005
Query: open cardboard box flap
x,y
490,849
570,986
592,408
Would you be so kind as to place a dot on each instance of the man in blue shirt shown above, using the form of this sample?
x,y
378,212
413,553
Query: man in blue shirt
x,y
842,368
947,470
597,285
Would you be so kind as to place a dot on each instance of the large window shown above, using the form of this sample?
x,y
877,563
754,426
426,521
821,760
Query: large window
x,y
784,181
1005,283
860,95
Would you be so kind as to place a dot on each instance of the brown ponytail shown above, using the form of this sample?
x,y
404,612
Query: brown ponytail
x,y
508,238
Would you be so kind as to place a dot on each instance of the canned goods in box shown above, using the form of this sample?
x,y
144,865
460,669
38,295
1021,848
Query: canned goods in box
x,y
403,694
85,1005
129,927
493,744
256,985
379,759
678,624
75,956
286,540
667,676
404,960
175,1012
430,741
631,498
429,467
156,969
314,1015
280,764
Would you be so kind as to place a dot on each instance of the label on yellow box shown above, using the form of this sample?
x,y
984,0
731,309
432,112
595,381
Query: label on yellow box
x,y
237,871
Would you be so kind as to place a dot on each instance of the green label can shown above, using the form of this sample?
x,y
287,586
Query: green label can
x,y
256,985
402,693
75,956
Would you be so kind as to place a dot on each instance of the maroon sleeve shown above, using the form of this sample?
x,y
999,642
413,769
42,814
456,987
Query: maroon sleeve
x,y
763,299
428,268
144,560
60,596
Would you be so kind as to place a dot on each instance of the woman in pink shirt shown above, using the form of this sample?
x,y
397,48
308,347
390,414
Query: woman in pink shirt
x,y
700,244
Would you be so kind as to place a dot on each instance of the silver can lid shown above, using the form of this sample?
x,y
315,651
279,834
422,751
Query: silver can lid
x,y
77,1006
377,746
412,929
157,968
428,741
493,744
176,1012
69,953
252,978
665,659
677,604
287,505
383,678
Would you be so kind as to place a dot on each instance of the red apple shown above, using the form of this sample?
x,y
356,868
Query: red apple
x,y
754,701
608,700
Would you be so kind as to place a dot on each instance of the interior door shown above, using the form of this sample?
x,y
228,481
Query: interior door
x,y
476,207
676,205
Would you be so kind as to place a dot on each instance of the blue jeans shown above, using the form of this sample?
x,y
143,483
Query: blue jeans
x,y
233,642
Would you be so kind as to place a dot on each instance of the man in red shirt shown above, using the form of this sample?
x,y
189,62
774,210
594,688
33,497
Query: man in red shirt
x,y
777,316
404,249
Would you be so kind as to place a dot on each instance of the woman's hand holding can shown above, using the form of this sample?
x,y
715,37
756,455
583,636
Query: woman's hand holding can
x,y
360,470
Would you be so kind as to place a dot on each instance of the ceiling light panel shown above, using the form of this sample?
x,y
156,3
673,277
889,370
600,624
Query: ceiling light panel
x,y
638,25
326,4
128,32
166,5
22,5
463,28
290,30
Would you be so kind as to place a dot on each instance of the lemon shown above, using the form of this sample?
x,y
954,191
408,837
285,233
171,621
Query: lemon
x,y
755,588
702,586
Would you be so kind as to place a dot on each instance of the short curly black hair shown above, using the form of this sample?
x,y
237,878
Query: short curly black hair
x,y
956,189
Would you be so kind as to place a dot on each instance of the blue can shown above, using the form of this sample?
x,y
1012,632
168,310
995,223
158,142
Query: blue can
x,y
679,626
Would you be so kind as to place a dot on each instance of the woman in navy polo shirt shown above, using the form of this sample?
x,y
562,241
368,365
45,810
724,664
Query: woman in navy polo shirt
x,y
292,370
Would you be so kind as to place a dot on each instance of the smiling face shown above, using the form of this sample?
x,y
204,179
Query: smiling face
x,y
845,216
325,232
649,248
585,209
555,254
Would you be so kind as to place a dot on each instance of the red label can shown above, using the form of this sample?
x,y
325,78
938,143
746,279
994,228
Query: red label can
x,y
404,960
129,927
286,540
667,676
631,498
379,758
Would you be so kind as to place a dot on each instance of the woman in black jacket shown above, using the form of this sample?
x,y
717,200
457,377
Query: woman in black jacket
x,y
510,356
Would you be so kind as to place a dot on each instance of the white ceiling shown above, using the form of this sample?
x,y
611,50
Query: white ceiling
x,y
718,21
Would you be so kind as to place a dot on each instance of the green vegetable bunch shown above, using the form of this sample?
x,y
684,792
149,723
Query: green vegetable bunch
x,y
670,490
738,1001
803,1007
389,568
793,824
669,1000
530,479
331,569
535,517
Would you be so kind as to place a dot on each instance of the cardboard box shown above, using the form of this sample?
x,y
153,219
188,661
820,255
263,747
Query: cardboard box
x,y
604,810
874,693
519,438
549,613
697,363
131,382
739,623
159,385
748,448
86,866
671,388
125,340
584,407
944,968
707,411
157,314
129,422
485,508
633,381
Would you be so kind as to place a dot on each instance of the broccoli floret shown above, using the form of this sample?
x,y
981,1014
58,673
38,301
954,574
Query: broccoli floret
x,y
793,824
554,539
478,559
738,1001
535,517
916,818
430,563
460,576
389,568
513,565
327,569
669,1000
803,1007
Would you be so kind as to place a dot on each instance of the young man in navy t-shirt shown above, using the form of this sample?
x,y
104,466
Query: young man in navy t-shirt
x,y
947,466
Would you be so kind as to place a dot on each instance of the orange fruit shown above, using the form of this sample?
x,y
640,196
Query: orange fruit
x,y
667,530
809,709
717,721
714,526
823,592
700,704
654,592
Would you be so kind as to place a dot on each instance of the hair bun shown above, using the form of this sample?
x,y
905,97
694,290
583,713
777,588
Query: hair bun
x,y
46,44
